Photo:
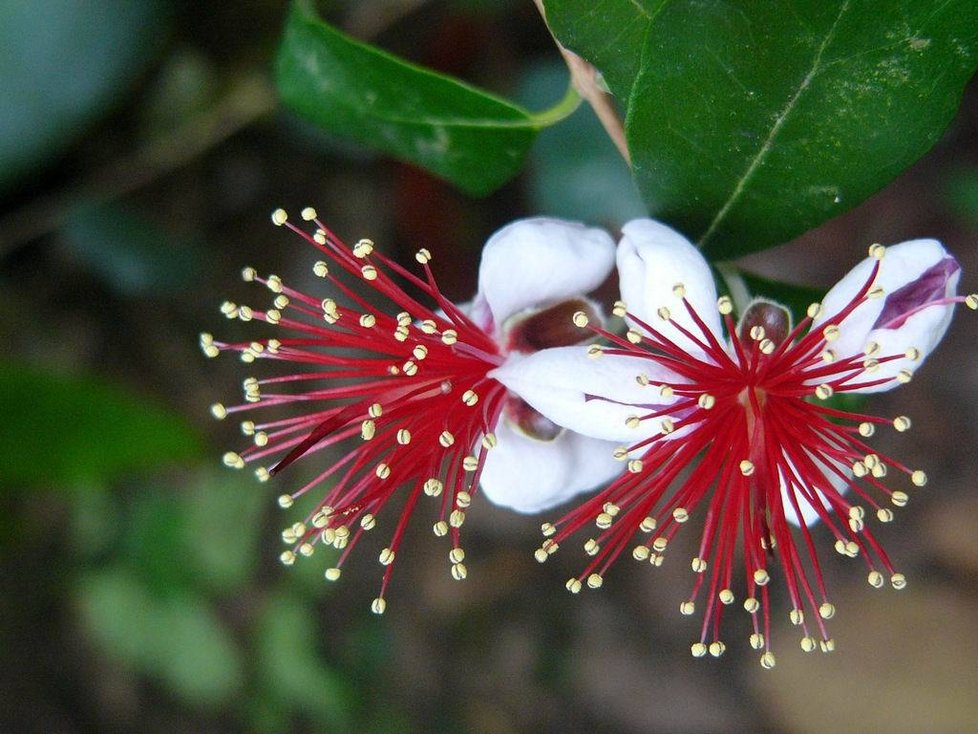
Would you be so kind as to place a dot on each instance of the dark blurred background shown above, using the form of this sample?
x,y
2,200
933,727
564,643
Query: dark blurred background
x,y
139,586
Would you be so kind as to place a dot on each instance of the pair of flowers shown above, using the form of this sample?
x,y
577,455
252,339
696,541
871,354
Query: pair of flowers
x,y
527,395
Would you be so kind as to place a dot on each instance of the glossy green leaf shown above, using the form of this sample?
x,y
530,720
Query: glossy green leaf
x,y
466,136
609,34
751,123
60,429
62,64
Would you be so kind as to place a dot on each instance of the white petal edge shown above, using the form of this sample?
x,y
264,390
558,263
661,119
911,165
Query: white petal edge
x,y
537,262
652,260
528,476
592,396
901,264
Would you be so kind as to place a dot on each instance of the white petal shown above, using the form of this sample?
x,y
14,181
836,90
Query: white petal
x,y
652,260
528,475
594,397
901,265
809,514
537,262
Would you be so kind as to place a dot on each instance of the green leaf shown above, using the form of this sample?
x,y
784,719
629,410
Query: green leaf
x,y
609,34
62,64
460,133
750,123
59,429
177,639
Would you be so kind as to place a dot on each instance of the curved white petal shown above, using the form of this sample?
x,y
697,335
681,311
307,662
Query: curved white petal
x,y
809,513
536,262
652,260
595,397
527,475
901,265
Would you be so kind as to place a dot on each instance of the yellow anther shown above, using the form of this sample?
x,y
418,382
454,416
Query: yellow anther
x,y
410,368
489,441
756,641
767,660
971,301
446,439
375,410
594,351
900,499
332,574
877,251
901,423
603,520
368,429
746,467
440,528
620,453
633,421
666,426
382,471
287,558
717,648
573,586
459,571
279,217
687,608
285,501
904,376
898,581
814,310
541,555
619,309
830,333
378,605
647,525
634,336
876,292
368,522
274,284
659,544
726,597
245,313
369,272
828,356
919,478
827,645
875,579
761,577
698,649
666,391
428,326
591,547
698,565
449,336
635,466
419,352
808,644
871,349
594,581
233,460
680,515
797,617
219,411
261,474
679,290
757,333
766,346
641,552
308,214
261,439
866,429
423,256
724,305
879,471
826,610
403,436
663,313
548,529
463,499
856,524
319,236
823,392
362,248
307,549
580,319
248,274
470,463
859,469
456,519
706,401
